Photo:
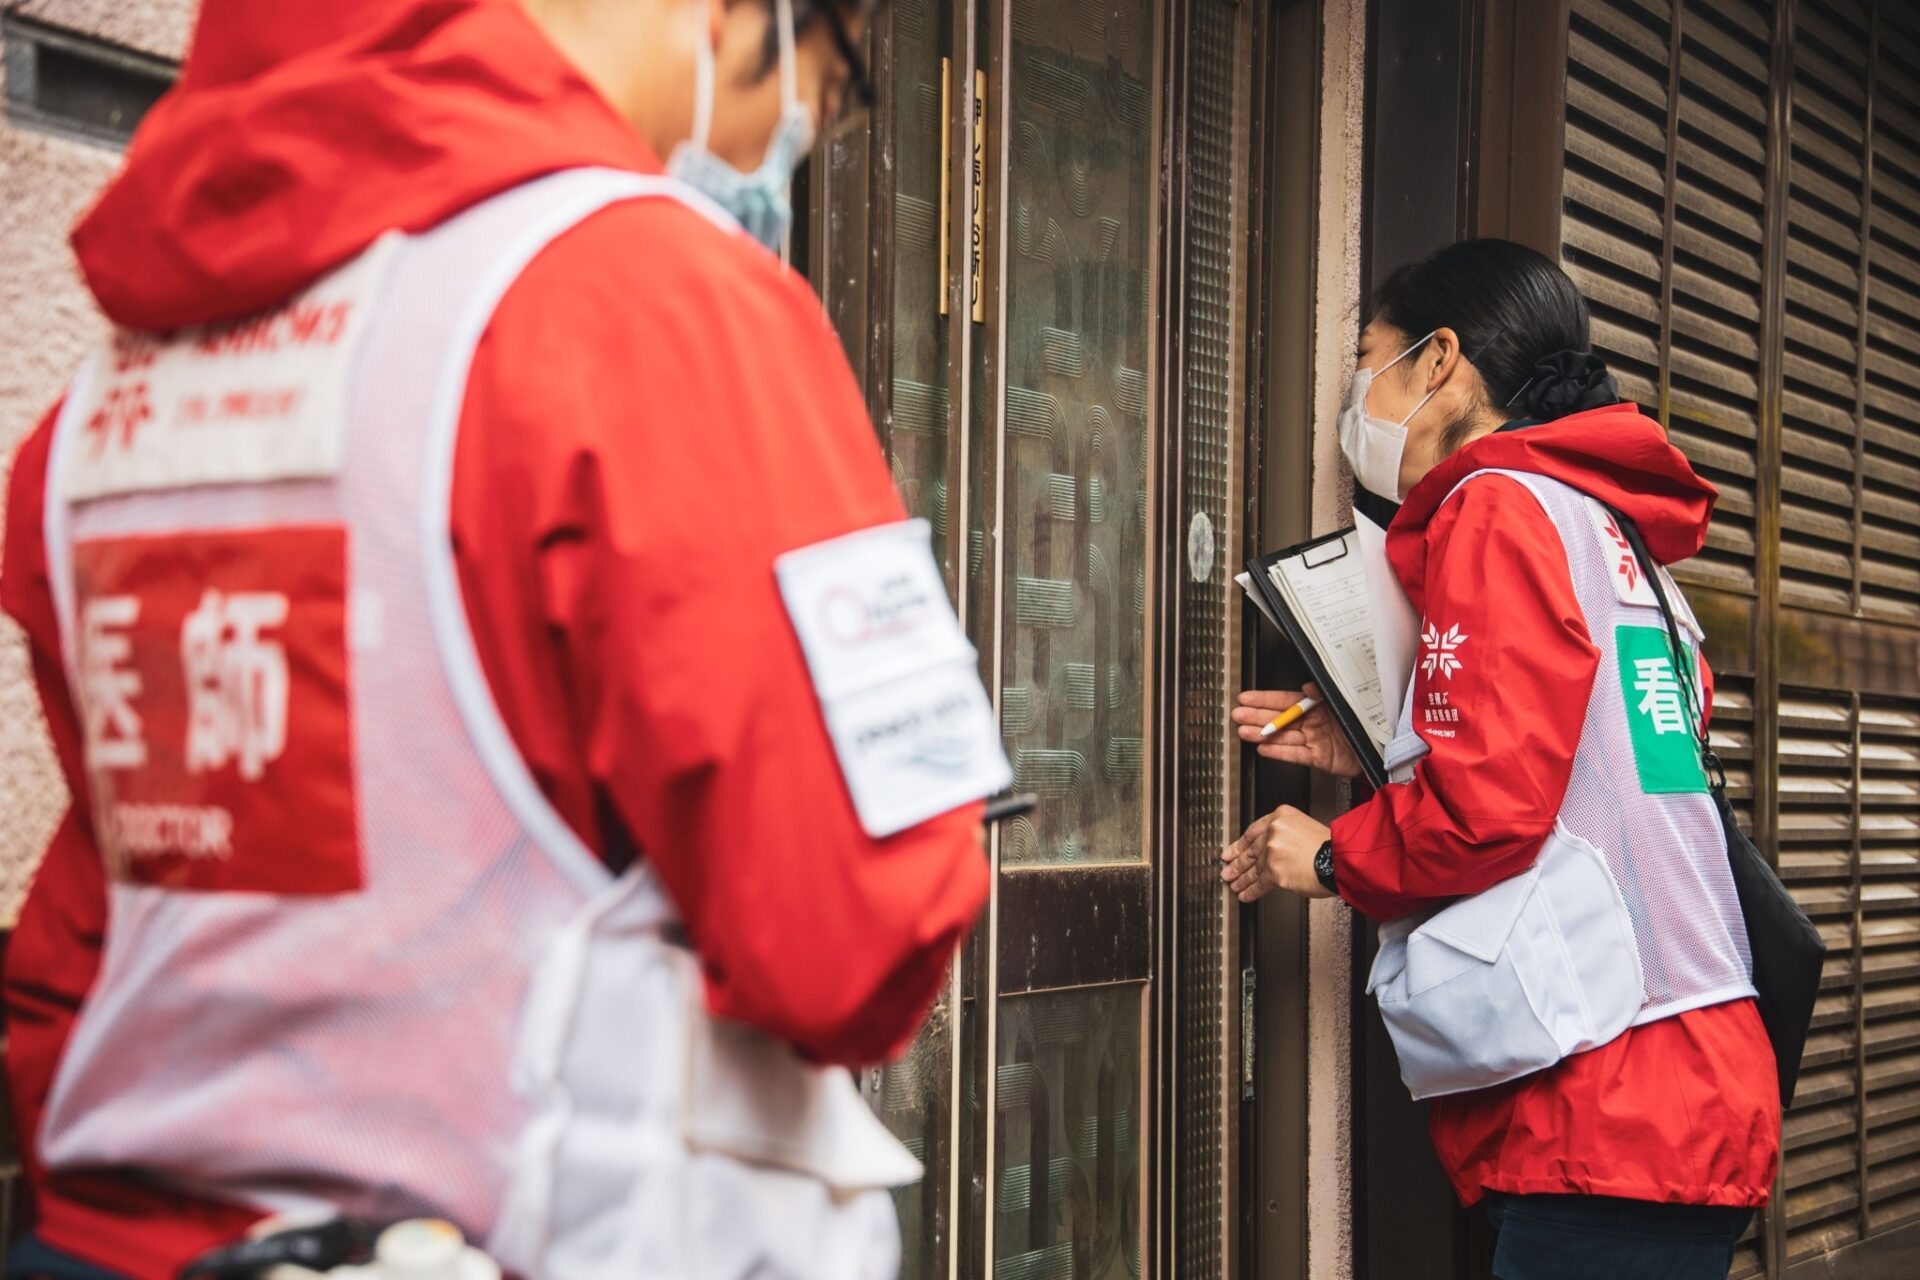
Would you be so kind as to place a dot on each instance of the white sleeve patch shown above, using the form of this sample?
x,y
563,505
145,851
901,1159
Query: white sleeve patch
x,y
900,685
250,401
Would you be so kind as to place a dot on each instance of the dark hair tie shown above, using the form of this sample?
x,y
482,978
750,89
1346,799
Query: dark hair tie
x,y
1564,383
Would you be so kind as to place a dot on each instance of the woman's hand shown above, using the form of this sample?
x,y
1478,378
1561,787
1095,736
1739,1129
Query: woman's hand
x,y
1313,740
1276,852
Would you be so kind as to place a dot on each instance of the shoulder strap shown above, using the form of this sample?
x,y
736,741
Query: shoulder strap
x,y
1716,771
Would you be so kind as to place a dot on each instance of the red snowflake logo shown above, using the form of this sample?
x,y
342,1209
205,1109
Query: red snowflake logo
x,y
133,352
1629,566
124,411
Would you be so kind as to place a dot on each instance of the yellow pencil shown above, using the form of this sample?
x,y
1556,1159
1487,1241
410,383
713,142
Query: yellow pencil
x,y
1288,716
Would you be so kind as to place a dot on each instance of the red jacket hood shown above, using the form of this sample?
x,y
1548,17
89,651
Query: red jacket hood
x,y
1616,454
299,133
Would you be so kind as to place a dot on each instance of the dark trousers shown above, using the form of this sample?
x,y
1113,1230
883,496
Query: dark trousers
x,y
31,1260
1602,1238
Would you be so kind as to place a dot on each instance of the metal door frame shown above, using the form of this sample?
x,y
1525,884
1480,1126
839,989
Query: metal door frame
x,y
850,215
1272,1166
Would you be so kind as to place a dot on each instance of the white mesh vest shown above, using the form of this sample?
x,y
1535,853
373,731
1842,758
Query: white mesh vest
x,y
377,1051
1667,852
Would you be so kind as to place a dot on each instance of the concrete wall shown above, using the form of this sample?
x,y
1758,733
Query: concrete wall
x,y
46,321
1336,329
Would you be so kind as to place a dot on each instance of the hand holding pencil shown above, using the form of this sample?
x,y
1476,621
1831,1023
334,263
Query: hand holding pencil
x,y
1294,728
1287,717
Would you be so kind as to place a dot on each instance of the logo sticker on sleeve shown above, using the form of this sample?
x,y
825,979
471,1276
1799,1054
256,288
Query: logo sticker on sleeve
x,y
213,687
897,680
1666,748
1440,651
1623,567
252,400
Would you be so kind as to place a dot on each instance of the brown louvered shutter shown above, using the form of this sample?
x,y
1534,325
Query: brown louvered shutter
x,y
1742,209
1818,745
1887,576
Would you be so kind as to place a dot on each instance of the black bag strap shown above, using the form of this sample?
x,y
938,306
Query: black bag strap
x,y
1696,706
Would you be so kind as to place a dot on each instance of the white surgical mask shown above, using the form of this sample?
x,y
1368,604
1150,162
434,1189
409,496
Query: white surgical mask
x,y
1373,445
759,201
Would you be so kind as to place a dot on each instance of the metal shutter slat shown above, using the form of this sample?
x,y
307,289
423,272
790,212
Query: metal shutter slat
x,y
1847,831
1640,27
1643,81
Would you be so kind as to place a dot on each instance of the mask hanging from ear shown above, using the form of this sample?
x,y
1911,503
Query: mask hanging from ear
x,y
759,201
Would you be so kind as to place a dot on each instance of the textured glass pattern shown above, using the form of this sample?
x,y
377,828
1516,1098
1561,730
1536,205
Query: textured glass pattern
x,y
913,1096
1210,389
1067,1187
1077,424
917,439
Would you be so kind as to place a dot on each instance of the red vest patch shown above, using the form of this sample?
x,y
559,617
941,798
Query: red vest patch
x,y
213,681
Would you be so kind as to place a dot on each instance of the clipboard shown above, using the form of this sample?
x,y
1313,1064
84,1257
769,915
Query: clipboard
x,y
1335,551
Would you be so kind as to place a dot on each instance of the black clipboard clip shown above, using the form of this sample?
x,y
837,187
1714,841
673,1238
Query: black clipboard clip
x,y
1307,552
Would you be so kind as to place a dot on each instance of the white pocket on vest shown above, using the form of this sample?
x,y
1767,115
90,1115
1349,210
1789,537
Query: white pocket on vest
x,y
1513,979
664,1143
754,1099
788,1171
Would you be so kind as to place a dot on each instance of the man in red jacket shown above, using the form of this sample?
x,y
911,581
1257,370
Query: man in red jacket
x,y
467,599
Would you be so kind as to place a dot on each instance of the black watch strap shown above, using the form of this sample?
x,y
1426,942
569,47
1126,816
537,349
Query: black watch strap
x,y
1323,867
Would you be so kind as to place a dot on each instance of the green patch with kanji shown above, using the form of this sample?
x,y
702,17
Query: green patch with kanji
x,y
1665,747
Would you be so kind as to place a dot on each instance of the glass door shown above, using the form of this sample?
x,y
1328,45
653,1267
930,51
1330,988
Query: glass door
x,y
994,242
1064,459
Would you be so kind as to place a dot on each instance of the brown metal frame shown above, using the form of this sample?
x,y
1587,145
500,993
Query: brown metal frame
x,y
961,61
1766,501
989,25
1862,1127
1517,122
1857,931
1191,975
1169,211
1676,40
1865,266
1278,496
880,206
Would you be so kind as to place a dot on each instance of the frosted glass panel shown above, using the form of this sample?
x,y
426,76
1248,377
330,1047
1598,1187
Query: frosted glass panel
x,y
1078,427
1067,1202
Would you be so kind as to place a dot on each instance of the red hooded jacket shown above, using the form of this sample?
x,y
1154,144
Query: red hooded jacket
x,y
656,412
1685,1109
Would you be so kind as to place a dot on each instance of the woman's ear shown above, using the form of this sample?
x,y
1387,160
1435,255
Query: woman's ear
x,y
1441,357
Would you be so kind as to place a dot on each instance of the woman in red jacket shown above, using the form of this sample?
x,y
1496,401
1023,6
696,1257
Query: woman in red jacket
x,y
1539,702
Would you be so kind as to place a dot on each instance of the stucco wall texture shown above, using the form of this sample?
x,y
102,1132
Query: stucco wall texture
x,y
46,322
1329,921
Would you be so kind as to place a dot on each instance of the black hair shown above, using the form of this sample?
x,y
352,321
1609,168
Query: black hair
x,y
1522,324
804,14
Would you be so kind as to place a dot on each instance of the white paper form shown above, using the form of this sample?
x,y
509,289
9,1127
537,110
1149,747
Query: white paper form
x,y
1245,580
1326,588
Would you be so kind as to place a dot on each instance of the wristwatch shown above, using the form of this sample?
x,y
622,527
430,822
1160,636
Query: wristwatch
x,y
1323,867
